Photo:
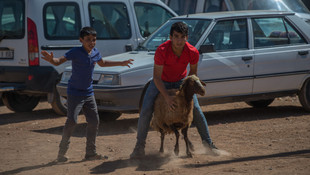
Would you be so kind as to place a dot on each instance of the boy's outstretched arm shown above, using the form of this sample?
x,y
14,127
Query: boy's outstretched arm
x,y
50,58
107,63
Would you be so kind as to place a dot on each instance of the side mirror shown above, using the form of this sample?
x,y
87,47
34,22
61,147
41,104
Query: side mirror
x,y
128,47
207,48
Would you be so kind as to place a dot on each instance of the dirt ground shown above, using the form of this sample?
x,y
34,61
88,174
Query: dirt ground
x,y
273,140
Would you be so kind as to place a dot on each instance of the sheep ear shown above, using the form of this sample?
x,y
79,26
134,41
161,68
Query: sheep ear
x,y
203,83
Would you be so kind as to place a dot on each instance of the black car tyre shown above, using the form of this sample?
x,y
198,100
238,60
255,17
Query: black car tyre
x,y
304,95
260,103
20,102
109,116
59,103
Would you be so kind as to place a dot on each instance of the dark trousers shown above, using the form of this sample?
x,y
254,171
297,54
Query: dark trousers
x,y
89,106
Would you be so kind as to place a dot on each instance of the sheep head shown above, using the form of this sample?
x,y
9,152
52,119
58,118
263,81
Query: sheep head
x,y
197,86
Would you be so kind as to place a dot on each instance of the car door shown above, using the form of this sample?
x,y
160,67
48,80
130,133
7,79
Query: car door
x,y
228,71
61,26
281,55
113,21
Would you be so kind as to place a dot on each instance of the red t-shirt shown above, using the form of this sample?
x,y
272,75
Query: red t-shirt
x,y
175,67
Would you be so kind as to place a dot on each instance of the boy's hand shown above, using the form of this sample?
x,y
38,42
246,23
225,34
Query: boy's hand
x,y
46,56
127,62
171,103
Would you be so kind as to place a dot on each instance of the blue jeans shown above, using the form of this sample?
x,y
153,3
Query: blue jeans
x,y
75,105
146,114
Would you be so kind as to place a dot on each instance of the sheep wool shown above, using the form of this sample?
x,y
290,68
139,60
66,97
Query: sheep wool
x,y
166,121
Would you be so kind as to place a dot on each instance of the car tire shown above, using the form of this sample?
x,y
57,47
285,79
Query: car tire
x,y
108,116
20,102
59,104
260,103
304,95
142,95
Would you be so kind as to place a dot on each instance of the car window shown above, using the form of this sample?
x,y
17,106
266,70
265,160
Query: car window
x,y
229,35
110,20
215,6
12,19
183,7
274,32
62,20
281,5
150,17
196,28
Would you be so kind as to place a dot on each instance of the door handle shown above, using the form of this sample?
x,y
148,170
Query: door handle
x,y
247,58
303,52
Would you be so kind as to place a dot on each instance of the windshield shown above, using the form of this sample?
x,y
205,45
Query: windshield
x,y
196,28
12,19
281,5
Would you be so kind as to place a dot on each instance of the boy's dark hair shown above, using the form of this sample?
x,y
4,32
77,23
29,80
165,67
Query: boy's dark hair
x,y
85,31
179,27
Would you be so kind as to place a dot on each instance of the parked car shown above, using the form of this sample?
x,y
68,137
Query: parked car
x,y
251,56
183,7
29,26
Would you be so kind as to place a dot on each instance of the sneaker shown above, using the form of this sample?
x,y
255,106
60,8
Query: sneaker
x,y
138,152
212,150
61,158
95,157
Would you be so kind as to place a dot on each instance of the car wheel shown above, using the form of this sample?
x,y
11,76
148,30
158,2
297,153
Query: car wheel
x,y
142,95
20,102
260,103
109,116
59,104
304,95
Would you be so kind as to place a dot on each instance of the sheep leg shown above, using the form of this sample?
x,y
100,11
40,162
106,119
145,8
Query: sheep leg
x,y
177,135
162,137
188,143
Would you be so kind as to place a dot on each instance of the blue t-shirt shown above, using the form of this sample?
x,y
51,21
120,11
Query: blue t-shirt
x,y
80,83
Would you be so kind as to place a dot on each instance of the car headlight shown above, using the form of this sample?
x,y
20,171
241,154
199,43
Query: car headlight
x,y
106,79
65,77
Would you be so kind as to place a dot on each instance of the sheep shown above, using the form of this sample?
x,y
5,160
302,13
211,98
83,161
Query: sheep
x,y
166,121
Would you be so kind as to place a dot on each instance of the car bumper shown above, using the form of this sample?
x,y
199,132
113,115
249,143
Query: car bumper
x,y
120,99
36,78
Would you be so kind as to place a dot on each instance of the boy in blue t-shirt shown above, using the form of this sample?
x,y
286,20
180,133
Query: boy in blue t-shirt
x,y
80,90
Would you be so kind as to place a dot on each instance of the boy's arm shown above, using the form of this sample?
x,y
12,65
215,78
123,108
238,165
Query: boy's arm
x,y
50,58
107,63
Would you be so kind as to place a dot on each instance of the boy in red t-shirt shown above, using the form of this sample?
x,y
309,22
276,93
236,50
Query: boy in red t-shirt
x,y
171,60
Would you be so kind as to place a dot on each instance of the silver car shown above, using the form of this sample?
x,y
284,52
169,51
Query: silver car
x,y
251,56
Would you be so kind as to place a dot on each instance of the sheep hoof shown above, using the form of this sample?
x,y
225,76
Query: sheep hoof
x,y
161,151
176,152
189,154
191,147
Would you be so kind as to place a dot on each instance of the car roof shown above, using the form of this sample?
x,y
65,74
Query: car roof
x,y
235,14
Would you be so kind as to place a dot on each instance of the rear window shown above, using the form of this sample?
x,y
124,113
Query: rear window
x,y
274,32
62,20
12,19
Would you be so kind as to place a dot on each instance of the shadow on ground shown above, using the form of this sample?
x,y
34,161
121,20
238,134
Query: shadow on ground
x,y
147,163
156,161
300,153
124,126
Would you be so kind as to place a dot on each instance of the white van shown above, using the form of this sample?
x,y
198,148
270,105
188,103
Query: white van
x,y
184,7
29,26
